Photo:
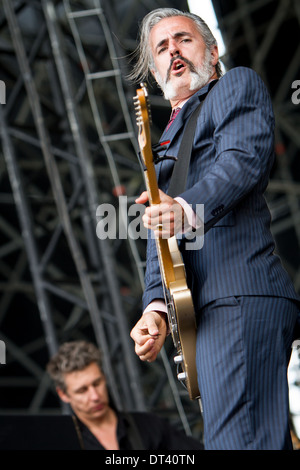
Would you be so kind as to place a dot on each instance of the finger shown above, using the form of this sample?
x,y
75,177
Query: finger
x,y
152,328
149,358
139,336
143,198
161,213
150,354
149,335
153,222
163,196
142,333
145,351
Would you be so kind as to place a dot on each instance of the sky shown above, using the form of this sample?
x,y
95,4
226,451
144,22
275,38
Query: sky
x,y
205,10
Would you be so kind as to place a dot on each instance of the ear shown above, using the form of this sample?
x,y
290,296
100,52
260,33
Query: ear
x,y
62,395
214,54
153,73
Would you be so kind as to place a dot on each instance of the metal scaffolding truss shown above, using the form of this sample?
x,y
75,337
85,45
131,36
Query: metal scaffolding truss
x,y
69,152
264,35
75,203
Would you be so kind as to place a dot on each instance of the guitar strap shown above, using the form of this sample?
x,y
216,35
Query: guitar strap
x,y
181,167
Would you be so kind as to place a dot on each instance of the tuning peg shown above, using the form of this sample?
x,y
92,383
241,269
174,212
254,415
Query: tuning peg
x,y
136,102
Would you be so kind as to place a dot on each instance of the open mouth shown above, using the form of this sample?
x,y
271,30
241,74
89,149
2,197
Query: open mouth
x,y
178,66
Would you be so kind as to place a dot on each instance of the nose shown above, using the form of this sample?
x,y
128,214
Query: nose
x,y
94,395
174,48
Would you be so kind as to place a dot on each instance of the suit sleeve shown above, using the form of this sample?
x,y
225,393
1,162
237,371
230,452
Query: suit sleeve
x,y
243,140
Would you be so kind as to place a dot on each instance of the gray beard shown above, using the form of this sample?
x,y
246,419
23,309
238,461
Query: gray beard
x,y
199,78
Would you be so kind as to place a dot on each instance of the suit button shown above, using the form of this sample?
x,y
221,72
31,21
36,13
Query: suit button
x,y
217,210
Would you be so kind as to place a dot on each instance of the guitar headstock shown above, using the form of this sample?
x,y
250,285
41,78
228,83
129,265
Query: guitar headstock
x,y
142,104
143,114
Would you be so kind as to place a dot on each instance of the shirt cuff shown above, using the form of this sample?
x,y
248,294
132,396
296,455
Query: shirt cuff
x,y
193,221
160,307
156,305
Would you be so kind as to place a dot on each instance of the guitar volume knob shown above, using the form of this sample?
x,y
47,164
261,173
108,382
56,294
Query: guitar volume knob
x,y
178,359
182,376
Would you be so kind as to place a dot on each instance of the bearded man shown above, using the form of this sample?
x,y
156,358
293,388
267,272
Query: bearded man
x,y
245,304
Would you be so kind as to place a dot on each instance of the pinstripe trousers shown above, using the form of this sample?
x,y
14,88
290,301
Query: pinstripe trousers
x,y
243,349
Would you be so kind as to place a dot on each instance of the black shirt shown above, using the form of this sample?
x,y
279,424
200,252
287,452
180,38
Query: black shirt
x,y
137,430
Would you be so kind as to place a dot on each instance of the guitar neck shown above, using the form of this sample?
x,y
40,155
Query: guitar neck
x,y
144,138
152,186
165,259
150,175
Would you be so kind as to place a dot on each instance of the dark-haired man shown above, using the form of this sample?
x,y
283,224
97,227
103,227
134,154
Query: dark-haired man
x,y
79,380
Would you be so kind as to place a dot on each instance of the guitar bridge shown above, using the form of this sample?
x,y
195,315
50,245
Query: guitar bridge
x,y
173,325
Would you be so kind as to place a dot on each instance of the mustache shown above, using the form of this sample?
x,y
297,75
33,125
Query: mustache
x,y
183,59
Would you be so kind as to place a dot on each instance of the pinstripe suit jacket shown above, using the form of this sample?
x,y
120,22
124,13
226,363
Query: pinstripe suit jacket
x,y
229,170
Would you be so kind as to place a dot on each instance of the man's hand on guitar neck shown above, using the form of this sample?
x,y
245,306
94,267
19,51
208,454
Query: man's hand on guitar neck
x,y
165,219
149,335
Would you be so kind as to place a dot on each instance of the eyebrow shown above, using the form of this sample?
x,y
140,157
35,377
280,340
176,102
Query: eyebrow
x,y
175,36
83,386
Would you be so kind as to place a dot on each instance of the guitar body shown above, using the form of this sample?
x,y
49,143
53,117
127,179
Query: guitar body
x,y
181,314
186,347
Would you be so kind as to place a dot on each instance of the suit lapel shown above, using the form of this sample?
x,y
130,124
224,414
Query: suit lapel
x,y
181,119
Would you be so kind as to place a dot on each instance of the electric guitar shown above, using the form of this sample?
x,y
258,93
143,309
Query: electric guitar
x,y
181,315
